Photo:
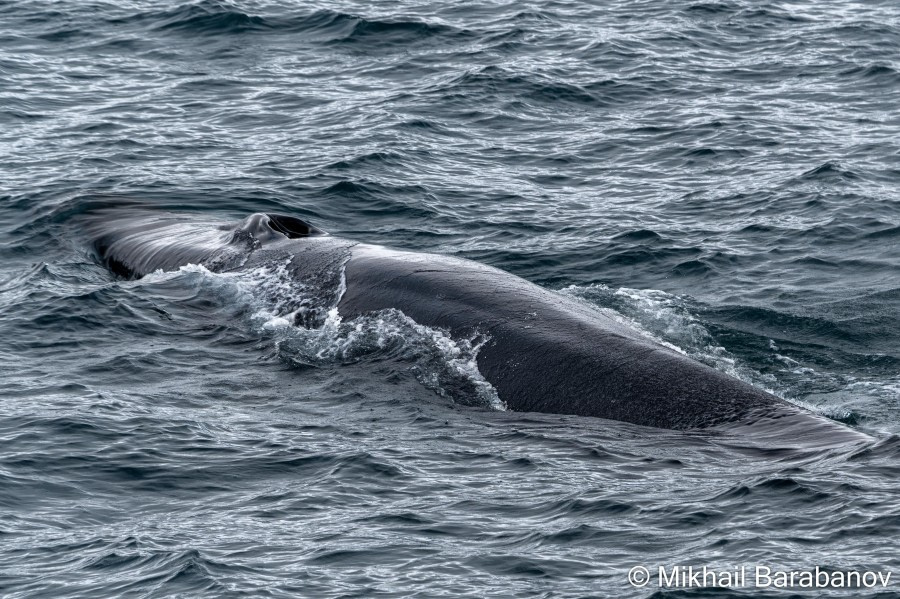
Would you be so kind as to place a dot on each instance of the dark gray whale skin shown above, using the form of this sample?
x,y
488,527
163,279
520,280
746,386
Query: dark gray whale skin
x,y
544,352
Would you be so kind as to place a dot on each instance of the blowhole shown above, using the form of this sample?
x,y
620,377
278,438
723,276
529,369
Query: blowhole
x,y
292,227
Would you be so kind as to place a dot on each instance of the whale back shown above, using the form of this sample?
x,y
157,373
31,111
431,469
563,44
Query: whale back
x,y
545,352
541,351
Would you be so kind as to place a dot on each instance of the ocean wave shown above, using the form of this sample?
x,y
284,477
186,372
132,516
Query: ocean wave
x,y
219,17
351,29
829,171
495,83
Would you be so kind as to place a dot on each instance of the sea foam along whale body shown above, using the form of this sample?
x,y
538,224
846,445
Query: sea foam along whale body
x,y
544,352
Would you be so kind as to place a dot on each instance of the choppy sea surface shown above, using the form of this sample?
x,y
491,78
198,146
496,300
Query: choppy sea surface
x,y
723,174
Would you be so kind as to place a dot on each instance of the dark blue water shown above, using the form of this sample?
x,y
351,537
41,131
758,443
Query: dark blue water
x,y
725,175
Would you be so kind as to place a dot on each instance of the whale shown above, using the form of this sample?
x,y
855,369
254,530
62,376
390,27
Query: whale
x,y
542,351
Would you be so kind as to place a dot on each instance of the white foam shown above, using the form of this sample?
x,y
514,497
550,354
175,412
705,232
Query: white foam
x,y
309,332
665,319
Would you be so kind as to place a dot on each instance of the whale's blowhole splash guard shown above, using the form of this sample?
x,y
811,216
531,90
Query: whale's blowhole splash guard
x,y
261,226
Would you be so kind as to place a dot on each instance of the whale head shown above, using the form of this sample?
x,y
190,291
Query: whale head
x,y
133,243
